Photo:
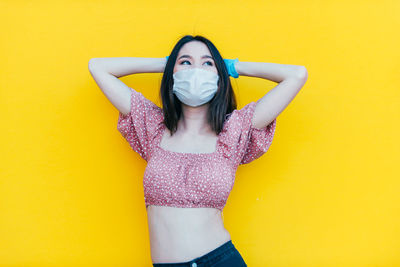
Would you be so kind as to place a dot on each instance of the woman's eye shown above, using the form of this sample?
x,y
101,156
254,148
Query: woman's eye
x,y
189,62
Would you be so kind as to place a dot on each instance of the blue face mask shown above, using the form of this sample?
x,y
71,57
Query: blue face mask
x,y
195,86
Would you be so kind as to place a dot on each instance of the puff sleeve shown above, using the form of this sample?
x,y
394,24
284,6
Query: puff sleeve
x,y
139,127
244,142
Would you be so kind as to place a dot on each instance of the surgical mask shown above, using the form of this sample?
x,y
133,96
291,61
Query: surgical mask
x,y
195,86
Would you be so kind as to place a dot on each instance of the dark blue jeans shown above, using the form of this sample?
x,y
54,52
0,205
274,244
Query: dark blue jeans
x,y
224,255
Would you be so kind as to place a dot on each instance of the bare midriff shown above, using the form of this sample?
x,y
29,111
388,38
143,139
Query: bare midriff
x,y
182,234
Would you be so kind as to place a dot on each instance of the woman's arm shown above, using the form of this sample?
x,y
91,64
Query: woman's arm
x,y
271,71
106,71
291,79
122,66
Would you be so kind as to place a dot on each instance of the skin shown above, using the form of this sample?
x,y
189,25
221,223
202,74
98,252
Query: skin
x,y
182,234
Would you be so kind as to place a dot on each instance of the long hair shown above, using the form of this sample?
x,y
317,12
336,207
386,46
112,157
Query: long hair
x,y
223,103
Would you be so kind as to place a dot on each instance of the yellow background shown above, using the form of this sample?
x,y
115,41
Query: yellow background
x,y
327,193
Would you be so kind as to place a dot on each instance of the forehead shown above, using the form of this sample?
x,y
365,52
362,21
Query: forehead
x,y
194,48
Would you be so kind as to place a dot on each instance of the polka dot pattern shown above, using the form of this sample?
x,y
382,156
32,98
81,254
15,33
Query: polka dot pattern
x,y
180,179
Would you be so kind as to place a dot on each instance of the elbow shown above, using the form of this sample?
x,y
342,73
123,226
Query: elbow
x,y
91,63
302,73
94,64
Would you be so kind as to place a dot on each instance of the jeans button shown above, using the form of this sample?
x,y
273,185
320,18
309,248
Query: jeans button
x,y
194,264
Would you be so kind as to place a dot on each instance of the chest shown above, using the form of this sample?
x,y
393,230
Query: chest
x,y
189,168
187,143
194,178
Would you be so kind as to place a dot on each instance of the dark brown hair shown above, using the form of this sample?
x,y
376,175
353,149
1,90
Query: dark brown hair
x,y
223,103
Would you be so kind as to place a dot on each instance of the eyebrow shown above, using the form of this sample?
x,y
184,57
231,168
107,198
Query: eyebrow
x,y
205,56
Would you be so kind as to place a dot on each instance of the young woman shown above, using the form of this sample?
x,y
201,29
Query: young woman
x,y
195,142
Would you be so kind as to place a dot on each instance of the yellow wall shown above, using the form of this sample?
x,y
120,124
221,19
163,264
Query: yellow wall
x,y
325,194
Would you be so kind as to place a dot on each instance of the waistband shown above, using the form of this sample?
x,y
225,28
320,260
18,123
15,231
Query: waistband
x,y
210,256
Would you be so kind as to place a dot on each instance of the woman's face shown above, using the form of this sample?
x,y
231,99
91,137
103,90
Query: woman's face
x,y
195,54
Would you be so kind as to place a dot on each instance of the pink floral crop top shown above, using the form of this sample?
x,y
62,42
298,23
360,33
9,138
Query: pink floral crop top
x,y
179,179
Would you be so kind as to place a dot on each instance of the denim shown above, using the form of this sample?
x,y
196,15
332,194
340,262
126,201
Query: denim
x,y
223,256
